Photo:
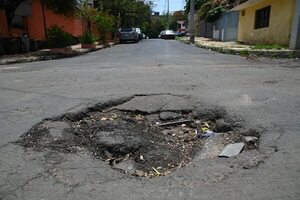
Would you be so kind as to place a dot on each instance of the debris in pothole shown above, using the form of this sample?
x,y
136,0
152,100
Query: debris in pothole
x,y
208,133
232,150
139,144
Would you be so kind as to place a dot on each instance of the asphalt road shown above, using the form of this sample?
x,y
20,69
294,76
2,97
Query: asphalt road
x,y
265,93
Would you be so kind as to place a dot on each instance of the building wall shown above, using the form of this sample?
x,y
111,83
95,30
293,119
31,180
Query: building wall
x,y
35,24
280,26
226,27
3,24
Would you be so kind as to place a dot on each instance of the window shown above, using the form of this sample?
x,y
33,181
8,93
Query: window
x,y
243,12
262,17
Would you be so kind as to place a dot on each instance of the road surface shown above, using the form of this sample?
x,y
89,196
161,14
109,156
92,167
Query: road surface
x,y
265,93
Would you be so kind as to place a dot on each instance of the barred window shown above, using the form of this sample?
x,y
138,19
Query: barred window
x,y
262,17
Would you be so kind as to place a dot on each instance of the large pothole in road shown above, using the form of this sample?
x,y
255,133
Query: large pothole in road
x,y
137,143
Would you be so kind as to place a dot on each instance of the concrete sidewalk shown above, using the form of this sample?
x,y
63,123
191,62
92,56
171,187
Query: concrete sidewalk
x,y
46,54
241,49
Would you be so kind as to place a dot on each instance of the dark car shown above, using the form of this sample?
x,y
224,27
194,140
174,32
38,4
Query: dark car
x,y
167,35
128,34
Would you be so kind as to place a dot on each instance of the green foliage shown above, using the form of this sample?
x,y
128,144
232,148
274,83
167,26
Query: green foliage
x,y
105,23
198,4
215,13
266,46
58,38
61,6
203,11
127,12
87,38
87,13
152,29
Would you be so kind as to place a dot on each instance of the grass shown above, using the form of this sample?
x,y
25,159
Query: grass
x,y
269,47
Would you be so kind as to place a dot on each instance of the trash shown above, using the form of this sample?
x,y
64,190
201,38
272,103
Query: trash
x,y
141,157
204,129
206,124
183,125
106,119
232,150
175,122
208,134
157,173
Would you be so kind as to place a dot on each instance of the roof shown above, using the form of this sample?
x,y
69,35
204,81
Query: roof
x,y
247,4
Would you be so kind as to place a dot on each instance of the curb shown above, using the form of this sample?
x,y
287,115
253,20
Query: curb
x,y
246,52
50,56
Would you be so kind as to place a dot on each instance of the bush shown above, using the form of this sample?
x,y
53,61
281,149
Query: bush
x,y
105,23
58,38
87,38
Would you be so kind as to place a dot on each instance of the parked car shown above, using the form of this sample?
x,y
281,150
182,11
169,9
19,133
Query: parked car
x,y
128,34
167,35
138,30
181,33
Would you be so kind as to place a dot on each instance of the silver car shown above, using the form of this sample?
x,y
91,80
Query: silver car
x,y
128,34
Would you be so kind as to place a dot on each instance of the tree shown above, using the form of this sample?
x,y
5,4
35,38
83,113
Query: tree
x,y
127,12
10,7
105,24
61,6
87,13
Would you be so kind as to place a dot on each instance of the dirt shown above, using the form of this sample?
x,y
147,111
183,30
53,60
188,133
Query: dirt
x,y
144,145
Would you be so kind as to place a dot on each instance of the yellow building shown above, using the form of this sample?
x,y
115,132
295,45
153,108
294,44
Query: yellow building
x,y
268,22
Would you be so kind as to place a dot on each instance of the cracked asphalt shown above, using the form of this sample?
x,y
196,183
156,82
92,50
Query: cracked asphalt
x,y
264,93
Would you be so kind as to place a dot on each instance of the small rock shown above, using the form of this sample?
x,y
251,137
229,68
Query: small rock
x,y
167,132
222,126
128,167
139,173
107,154
232,150
166,116
250,139
251,132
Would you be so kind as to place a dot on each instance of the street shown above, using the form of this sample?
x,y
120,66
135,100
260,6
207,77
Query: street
x,y
263,93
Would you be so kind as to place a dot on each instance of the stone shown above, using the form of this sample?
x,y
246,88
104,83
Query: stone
x,y
167,116
250,139
128,167
222,126
232,150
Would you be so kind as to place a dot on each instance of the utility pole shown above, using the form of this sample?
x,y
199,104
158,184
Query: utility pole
x,y
168,12
44,18
192,21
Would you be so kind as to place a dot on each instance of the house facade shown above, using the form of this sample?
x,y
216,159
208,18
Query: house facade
x,y
226,27
269,22
33,19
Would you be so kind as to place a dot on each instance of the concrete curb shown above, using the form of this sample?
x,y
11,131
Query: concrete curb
x,y
250,52
43,56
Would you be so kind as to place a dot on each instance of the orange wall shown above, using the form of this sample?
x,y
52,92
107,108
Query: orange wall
x,y
3,24
36,25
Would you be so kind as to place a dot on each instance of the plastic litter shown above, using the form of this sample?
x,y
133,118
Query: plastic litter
x,y
157,173
208,134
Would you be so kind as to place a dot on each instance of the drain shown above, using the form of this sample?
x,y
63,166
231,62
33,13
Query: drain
x,y
135,143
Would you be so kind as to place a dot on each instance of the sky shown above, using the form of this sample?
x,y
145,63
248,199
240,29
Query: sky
x,y
174,5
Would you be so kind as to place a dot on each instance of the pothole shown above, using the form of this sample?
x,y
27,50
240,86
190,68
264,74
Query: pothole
x,y
136,143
